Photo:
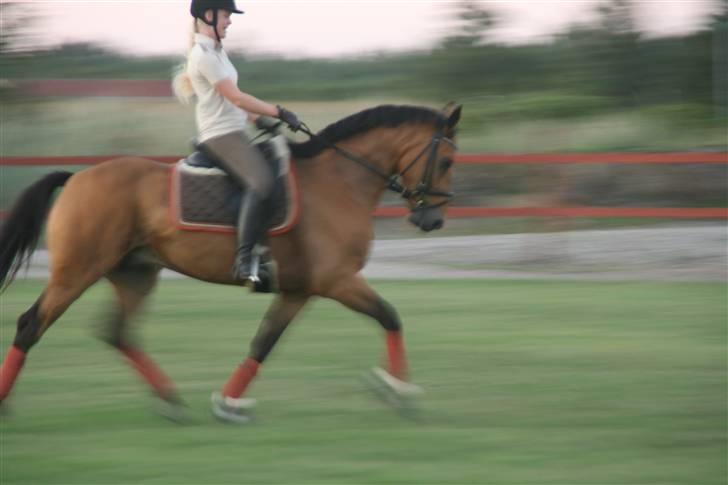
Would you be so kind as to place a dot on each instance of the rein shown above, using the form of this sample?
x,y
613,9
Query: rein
x,y
394,182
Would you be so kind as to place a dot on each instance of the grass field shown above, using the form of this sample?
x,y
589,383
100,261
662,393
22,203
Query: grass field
x,y
526,382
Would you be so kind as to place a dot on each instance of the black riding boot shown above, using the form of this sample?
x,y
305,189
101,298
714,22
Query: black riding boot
x,y
251,226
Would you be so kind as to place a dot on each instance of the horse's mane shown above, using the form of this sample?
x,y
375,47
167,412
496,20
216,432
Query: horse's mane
x,y
389,116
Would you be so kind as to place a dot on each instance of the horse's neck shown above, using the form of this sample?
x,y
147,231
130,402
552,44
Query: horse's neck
x,y
381,148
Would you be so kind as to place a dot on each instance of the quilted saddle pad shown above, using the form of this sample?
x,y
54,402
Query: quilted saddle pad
x,y
206,199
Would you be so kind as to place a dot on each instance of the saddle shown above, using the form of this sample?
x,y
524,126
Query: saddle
x,y
204,198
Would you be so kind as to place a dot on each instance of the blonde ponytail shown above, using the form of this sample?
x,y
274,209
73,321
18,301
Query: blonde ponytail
x,y
182,85
181,82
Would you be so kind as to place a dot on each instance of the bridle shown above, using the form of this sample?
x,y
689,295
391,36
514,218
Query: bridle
x,y
422,189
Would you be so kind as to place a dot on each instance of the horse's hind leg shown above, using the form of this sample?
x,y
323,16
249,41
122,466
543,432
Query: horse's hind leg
x,y
55,299
88,233
76,264
132,285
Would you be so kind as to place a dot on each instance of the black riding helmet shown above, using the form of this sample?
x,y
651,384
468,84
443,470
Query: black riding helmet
x,y
199,7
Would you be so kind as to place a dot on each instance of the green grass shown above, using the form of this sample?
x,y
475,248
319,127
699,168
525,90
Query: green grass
x,y
526,382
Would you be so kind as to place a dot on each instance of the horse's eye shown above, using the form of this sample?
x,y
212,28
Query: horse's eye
x,y
445,164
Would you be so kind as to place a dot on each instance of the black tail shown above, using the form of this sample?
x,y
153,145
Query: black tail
x,y
20,233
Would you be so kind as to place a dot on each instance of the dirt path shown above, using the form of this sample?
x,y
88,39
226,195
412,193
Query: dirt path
x,y
689,252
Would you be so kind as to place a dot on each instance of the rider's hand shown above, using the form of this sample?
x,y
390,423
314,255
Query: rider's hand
x,y
289,118
265,123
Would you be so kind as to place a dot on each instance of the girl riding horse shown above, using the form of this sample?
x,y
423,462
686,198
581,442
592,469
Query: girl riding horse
x,y
112,221
222,111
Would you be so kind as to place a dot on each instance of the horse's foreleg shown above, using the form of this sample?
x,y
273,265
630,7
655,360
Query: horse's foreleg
x,y
391,384
283,309
356,294
132,286
228,405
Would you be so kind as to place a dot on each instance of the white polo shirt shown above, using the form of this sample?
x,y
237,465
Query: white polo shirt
x,y
206,66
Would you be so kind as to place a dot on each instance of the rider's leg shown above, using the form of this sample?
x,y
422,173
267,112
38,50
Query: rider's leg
x,y
251,225
246,165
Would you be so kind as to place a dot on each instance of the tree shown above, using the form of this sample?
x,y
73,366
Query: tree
x,y
617,17
620,51
719,34
16,27
472,22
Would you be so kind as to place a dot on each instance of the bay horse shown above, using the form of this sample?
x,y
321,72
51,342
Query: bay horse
x,y
109,212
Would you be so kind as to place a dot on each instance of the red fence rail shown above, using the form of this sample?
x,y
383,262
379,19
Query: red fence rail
x,y
96,87
580,158
161,88
590,212
530,158
463,159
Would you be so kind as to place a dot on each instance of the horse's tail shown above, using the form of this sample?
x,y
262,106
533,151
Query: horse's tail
x,y
20,233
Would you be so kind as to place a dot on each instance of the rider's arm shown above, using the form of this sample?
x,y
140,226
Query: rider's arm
x,y
251,104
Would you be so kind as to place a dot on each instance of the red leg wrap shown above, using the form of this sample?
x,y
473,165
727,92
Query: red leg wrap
x,y
241,378
396,355
149,371
14,361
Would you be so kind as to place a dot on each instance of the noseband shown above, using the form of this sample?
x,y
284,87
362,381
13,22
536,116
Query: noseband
x,y
424,186
394,182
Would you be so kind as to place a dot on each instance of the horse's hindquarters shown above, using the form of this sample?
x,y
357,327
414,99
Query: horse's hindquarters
x,y
96,219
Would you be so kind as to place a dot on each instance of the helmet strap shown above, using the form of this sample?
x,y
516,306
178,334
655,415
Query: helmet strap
x,y
213,24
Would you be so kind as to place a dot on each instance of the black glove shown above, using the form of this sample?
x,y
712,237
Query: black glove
x,y
289,118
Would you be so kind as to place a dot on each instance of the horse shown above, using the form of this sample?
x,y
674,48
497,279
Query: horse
x,y
108,214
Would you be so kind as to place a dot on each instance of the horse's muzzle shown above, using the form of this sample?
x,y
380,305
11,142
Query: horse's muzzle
x,y
428,219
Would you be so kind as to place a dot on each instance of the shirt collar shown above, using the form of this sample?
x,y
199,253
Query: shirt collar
x,y
206,41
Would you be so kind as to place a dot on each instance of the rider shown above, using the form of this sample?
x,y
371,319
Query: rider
x,y
222,111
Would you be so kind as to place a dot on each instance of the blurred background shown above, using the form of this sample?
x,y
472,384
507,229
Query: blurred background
x,y
585,254
92,78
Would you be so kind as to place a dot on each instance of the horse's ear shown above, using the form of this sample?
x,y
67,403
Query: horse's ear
x,y
452,111
448,108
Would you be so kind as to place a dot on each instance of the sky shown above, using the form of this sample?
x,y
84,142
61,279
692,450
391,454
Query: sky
x,y
329,28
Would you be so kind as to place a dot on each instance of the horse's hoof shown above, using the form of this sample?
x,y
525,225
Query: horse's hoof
x,y
399,394
173,409
399,387
231,410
